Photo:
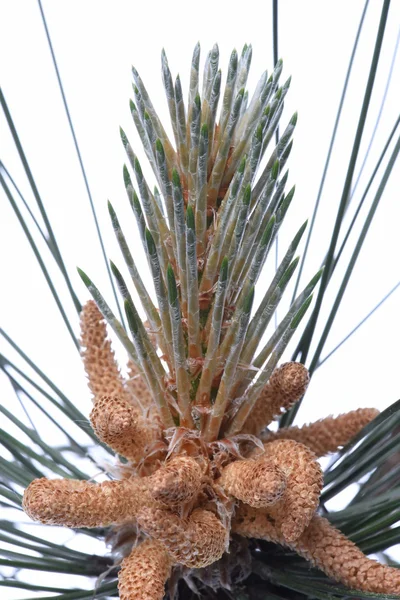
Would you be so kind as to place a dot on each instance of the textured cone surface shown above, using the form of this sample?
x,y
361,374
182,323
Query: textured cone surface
x,y
255,482
81,504
210,536
329,434
98,357
294,511
120,425
176,481
255,523
144,572
287,384
331,551
195,542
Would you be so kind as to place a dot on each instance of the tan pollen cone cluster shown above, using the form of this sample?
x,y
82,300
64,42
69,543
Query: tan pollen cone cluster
x,y
176,483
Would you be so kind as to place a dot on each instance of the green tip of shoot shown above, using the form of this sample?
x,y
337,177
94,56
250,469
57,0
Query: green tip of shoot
x,y
150,242
299,234
287,151
284,205
242,165
171,283
290,194
197,101
136,203
132,106
288,273
234,59
303,227
178,89
284,178
138,168
127,177
300,313
190,218
247,194
204,130
316,278
111,211
176,180
275,170
86,280
295,262
259,132
133,325
287,83
293,120
196,57
248,302
124,139
268,231
159,146
120,280
223,274
114,269
146,116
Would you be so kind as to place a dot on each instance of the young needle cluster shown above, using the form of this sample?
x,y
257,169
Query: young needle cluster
x,y
191,420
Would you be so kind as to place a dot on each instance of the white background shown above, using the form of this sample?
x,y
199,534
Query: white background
x,y
95,44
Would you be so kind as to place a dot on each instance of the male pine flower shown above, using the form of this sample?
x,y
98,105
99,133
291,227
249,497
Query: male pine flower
x,y
191,419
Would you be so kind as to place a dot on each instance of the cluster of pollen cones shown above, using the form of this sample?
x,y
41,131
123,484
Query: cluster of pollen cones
x,y
185,496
